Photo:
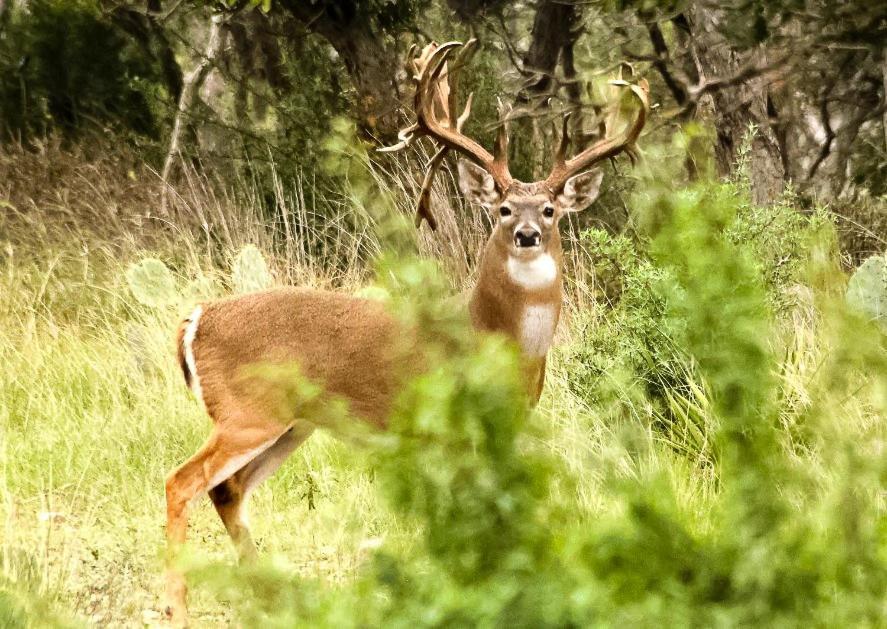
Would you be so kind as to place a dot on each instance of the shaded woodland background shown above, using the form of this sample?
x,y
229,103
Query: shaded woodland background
x,y
234,86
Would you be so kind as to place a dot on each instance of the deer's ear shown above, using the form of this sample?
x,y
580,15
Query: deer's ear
x,y
581,190
477,184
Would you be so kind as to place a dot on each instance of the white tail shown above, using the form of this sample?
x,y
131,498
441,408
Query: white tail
x,y
352,346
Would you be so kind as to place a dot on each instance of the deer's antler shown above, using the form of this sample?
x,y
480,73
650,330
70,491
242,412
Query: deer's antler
x,y
564,168
435,106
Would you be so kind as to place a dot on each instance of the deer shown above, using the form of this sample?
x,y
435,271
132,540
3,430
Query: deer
x,y
350,345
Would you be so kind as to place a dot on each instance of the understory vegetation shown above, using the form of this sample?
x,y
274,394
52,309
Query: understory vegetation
x,y
709,449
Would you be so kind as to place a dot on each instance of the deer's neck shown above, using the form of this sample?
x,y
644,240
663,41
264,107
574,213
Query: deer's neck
x,y
519,297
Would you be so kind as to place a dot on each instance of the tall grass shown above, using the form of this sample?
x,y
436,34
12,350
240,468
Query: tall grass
x,y
709,448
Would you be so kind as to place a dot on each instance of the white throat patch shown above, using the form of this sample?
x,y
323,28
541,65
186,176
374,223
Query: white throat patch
x,y
540,272
537,329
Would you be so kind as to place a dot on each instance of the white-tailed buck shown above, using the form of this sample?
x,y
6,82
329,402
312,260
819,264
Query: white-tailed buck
x,y
350,345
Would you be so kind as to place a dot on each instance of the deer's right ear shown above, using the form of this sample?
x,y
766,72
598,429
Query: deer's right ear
x,y
477,184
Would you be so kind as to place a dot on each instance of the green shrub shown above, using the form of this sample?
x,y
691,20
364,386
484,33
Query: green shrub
x,y
629,342
628,330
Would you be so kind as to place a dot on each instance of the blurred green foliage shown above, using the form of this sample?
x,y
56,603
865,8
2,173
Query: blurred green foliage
x,y
64,66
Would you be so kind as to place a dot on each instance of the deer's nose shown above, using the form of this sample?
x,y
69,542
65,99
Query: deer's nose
x,y
527,237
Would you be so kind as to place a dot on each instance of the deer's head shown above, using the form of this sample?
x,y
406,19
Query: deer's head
x,y
526,214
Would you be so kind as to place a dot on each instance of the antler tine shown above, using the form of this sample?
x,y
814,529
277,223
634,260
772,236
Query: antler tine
x,y
435,107
607,147
408,65
423,203
560,155
465,112
429,76
407,136
500,149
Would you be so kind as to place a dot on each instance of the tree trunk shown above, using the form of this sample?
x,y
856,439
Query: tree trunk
x,y
372,69
553,30
734,109
884,115
371,62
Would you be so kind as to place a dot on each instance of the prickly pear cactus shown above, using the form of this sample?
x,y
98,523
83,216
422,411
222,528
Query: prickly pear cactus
x,y
201,288
152,283
250,272
867,289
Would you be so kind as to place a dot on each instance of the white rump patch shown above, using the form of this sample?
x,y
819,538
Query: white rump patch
x,y
537,330
540,272
188,343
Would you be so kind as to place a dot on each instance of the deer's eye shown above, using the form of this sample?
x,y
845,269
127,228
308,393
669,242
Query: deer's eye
x,y
548,211
504,211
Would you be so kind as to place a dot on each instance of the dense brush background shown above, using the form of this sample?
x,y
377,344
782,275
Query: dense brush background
x,y
710,447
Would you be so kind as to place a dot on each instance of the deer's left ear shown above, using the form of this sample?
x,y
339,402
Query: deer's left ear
x,y
580,190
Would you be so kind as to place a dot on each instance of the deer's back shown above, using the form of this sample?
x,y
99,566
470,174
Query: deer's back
x,y
248,351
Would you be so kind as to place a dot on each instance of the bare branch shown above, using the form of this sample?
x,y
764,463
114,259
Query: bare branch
x,y
661,60
190,89
826,148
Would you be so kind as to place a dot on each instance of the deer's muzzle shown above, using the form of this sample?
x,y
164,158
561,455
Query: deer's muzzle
x,y
527,237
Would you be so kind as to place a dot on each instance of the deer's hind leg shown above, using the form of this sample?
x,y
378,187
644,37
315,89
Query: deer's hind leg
x,y
230,497
223,454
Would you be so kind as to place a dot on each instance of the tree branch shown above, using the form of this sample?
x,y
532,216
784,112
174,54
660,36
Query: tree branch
x,y
660,62
826,148
190,89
